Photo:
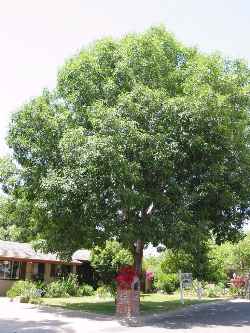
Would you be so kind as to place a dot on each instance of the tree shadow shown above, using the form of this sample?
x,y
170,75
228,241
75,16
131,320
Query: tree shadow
x,y
93,311
17,325
148,306
229,314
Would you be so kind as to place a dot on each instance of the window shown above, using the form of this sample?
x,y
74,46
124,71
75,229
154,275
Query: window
x,y
66,270
10,270
53,270
59,270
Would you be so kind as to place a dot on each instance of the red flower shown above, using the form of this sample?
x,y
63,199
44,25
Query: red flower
x,y
239,281
149,275
125,277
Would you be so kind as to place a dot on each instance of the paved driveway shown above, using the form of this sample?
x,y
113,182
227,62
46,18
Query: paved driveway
x,y
229,317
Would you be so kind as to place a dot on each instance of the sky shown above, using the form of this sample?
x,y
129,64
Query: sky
x,y
37,36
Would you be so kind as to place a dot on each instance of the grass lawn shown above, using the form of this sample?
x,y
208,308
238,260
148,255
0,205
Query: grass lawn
x,y
150,303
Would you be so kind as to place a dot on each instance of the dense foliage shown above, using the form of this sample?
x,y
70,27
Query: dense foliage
x,y
219,264
64,287
22,288
108,259
68,286
143,139
196,262
167,283
231,258
16,222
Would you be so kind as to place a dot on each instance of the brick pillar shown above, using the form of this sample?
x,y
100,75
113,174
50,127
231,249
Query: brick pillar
x,y
127,302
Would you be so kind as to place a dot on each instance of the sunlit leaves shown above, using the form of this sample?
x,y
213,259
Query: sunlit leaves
x,y
132,122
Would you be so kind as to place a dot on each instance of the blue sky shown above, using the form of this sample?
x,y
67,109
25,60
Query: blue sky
x,y
38,35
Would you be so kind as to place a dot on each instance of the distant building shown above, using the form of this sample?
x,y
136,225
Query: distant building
x,y
19,261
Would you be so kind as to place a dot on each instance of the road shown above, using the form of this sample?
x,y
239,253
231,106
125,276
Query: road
x,y
228,317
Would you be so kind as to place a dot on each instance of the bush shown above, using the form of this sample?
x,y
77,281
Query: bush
x,y
104,291
85,290
213,290
64,287
26,289
56,289
71,284
234,292
166,282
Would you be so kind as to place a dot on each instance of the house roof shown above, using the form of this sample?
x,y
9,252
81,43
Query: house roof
x,y
81,255
25,251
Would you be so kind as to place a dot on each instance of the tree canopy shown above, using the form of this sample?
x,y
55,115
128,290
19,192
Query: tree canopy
x,y
143,138
16,220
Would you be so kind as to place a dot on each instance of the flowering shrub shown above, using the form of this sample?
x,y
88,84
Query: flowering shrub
x,y
239,282
125,277
149,275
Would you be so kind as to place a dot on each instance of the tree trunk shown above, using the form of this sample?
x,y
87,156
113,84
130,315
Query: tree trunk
x,y
138,255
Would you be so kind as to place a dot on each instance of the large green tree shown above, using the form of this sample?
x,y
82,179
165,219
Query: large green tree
x,y
231,258
16,217
143,140
16,222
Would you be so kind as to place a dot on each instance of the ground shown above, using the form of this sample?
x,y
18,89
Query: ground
x,y
150,303
221,317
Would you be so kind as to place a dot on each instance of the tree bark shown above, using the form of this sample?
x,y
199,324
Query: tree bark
x,y
138,255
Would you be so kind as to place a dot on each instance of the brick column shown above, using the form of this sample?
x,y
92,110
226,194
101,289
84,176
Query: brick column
x,y
127,302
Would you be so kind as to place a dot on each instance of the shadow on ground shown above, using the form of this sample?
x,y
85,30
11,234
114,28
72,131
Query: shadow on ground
x,y
227,314
17,325
215,315
76,311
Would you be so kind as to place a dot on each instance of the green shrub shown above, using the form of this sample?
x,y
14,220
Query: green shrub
x,y
37,300
104,291
71,284
234,292
166,282
64,287
213,290
56,289
26,289
24,299
41,285
85,290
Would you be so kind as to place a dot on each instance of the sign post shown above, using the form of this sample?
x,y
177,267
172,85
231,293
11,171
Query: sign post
x,y
185,282
181,289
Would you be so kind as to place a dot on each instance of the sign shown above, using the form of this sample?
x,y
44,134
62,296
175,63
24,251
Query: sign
x,y
186,280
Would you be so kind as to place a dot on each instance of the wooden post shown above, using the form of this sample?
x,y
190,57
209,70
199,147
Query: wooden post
x,y
181,289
